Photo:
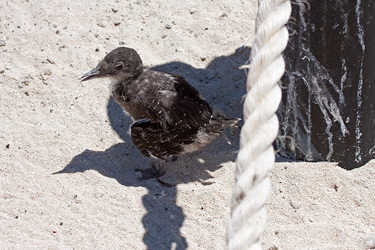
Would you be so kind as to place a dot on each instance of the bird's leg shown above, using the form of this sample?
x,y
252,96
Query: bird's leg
x,y
159,168
161,172
149,173
156,171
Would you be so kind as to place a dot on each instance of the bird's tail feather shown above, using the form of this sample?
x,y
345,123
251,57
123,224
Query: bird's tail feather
x,y
219,124
225,137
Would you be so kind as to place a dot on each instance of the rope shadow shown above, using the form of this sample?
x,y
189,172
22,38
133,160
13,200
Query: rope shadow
x,y
164,218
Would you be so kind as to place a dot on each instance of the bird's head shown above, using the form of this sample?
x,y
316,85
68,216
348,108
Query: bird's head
x,y
121,63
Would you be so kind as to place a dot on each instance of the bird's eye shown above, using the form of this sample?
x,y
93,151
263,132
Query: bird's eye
x,y
119,66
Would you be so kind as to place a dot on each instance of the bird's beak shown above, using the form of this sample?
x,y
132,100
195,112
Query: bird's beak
x,y
91,74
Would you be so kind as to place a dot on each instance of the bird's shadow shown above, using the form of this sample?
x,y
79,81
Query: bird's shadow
x,y
164,217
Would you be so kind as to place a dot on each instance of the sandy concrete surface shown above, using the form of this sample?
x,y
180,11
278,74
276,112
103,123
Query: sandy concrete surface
x,y
67,164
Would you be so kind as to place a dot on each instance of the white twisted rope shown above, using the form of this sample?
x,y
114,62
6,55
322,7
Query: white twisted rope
x,y
256,156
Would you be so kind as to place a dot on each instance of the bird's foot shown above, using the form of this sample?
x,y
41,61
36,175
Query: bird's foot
x,y
164,183
146,174
153,172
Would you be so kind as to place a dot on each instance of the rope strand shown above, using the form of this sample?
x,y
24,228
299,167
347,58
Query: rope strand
x,y
256,156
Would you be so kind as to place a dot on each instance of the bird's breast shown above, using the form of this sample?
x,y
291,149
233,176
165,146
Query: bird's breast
x,y
125,100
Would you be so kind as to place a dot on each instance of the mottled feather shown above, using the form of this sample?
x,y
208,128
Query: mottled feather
x,y
171,117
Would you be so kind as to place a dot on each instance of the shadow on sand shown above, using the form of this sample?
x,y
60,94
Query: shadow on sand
x,y
164,217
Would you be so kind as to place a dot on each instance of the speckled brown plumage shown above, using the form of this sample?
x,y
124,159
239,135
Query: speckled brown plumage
x,y
171,117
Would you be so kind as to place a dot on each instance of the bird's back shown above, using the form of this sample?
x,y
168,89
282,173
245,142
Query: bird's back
x,y
163,98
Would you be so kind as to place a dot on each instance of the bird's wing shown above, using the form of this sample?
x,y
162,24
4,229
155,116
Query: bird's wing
x,y
152,140
171,101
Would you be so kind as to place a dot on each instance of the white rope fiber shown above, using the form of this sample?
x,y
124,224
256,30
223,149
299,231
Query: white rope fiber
x,y
256,156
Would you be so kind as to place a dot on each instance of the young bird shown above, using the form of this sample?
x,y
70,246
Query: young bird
x,y
171,117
